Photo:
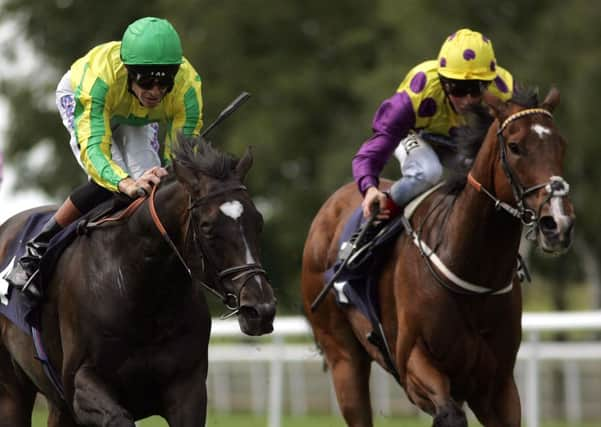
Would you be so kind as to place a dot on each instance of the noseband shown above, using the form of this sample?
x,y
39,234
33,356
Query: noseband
x,y
555,187
245,271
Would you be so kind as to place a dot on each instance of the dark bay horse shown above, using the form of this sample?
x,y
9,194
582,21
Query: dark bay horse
x,y
125,324
452,319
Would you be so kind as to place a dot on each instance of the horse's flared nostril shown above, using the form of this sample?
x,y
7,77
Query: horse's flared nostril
x,y
548,226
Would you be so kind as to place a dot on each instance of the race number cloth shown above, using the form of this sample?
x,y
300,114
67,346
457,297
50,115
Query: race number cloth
x,y
13,304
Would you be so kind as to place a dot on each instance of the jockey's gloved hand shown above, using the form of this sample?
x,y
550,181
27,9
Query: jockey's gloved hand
x,y
149,178
374,195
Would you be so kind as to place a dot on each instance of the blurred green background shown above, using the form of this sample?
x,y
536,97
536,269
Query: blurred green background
x,y
318,70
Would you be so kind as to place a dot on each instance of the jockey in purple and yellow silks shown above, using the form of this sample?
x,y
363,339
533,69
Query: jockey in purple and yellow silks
x,y
432,98
112,101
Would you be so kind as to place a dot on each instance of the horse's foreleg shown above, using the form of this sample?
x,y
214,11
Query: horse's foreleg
x,y
186,399
94,403
17,394
502,409
430,390
59,418
350,366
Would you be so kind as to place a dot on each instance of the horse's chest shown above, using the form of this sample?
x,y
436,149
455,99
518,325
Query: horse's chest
x,y
155,347
150,362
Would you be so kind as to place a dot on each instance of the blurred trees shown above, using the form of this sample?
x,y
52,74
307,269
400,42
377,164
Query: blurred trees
x,y
318,70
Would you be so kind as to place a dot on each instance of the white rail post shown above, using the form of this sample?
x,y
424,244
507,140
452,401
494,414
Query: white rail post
x,y
532,386
257,387
572,393
297,389
276,382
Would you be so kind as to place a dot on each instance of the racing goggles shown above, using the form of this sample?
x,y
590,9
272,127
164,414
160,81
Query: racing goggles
x,y
462,88
148,77
148,82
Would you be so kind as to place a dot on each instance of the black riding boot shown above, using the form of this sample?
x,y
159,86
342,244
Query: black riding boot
x,y
23,273
354,246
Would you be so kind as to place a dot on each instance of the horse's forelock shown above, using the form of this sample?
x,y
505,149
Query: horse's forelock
x,y
201,157
525,96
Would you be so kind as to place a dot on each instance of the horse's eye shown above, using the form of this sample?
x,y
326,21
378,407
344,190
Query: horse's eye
x,y
206,227
514,147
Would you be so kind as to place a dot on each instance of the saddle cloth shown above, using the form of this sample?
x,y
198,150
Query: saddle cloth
x,y
15,305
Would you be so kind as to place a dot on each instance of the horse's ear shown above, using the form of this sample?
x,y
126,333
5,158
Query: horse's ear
x,y
551,100
244,163
498,107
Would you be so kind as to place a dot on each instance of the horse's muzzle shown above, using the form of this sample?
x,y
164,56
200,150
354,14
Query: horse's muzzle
x,y
555,233
257,319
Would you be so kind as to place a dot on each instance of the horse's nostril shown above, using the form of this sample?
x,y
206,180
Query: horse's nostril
x,y
547,225
250,313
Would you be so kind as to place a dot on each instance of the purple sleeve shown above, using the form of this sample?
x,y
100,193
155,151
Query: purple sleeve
x,y
391,123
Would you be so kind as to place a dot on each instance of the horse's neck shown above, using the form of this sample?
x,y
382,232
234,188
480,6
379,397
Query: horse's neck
x,y
169,205
480,242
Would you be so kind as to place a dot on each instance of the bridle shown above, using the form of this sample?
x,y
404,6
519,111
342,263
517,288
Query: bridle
x,y
239,272
556,186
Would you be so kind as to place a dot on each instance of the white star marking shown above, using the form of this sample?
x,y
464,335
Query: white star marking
x,y
233,209
541,130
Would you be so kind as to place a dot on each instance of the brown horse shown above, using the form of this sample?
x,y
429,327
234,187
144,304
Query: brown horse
x,y
452,321
126,322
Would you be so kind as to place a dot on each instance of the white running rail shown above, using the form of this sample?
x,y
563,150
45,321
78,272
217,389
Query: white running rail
x,y
533,350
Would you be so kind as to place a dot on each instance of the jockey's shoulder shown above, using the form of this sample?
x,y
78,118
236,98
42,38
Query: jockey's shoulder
x,y
426,68
422,81
502,85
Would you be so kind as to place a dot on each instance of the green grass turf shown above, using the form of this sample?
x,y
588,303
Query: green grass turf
x,y
249,420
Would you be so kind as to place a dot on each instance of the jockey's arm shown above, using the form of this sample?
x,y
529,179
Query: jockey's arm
x,y
93,130
391,123
187,118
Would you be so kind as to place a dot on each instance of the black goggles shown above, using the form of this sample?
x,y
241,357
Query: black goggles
x,y
149,81
462,88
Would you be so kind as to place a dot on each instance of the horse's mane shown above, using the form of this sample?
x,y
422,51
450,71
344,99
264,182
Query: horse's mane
x,y
201,157
469,138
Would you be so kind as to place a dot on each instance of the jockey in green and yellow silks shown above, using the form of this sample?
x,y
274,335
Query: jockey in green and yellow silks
x,y
103,98
112,102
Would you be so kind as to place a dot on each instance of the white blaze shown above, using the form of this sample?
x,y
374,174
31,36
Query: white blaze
x,y
234,210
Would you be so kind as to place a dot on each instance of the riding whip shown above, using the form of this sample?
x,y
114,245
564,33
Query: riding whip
x,y
227,111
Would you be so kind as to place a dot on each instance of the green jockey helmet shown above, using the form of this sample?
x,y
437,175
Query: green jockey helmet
x,y
151,41
467,55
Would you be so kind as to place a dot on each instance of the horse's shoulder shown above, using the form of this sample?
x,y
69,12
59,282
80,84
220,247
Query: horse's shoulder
x,y
438,198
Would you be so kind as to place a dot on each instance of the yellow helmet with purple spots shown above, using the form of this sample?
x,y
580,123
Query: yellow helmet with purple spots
x,y
467,55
